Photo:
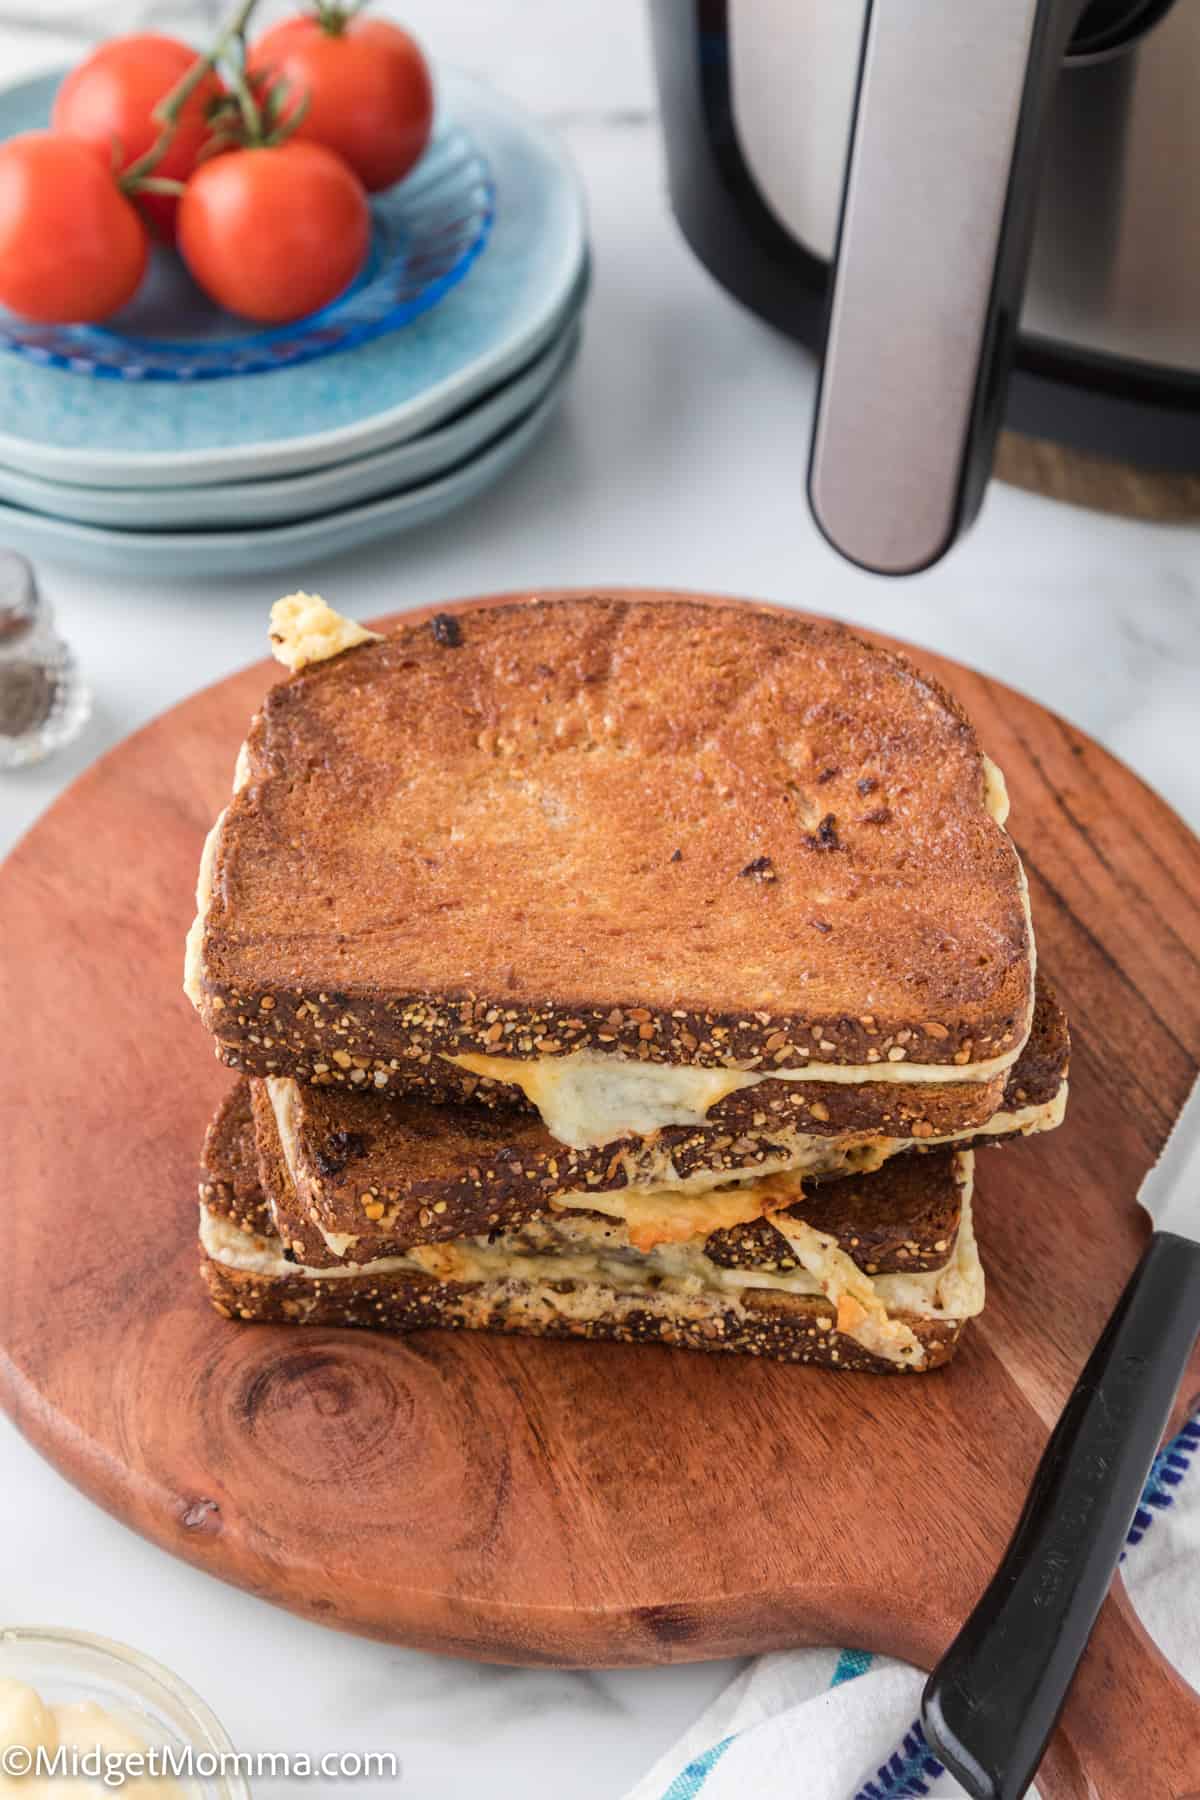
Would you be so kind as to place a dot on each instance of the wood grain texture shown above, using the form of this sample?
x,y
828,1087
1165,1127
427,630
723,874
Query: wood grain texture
x,y
1083,479
572,1503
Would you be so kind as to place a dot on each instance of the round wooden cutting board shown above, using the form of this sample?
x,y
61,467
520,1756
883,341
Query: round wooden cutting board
x,y
572,1503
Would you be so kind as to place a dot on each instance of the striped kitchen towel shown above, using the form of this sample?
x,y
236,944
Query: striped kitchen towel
x,y
824,1725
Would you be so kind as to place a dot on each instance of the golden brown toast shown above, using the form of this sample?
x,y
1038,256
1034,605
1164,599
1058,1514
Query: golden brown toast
x,y
363,1175
708,836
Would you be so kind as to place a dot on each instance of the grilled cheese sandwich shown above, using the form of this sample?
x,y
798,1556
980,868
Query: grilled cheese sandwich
x,y
604,1257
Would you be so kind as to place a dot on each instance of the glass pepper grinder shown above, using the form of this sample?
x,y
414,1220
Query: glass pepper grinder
x,y
43,701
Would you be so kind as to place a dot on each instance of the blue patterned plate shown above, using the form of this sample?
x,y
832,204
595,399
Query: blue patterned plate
x,y
310,415
291,497
425,235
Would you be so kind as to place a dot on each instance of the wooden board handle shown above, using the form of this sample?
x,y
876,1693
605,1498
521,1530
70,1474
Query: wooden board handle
x,y
1131,1726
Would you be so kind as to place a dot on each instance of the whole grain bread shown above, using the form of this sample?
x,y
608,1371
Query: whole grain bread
x,y
687,833
787,1327
230,1184
376,1174
902,1218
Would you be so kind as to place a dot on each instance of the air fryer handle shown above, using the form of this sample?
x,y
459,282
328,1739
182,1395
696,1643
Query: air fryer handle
x,y
937,217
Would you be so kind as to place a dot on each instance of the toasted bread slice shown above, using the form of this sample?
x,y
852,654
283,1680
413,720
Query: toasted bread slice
x,y
622,834
791,1291
360,1176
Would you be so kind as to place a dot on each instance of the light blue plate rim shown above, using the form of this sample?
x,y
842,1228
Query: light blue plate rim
x,y
378,394
182,556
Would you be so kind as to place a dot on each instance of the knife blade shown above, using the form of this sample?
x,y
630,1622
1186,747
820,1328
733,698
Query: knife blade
x,y
994,1699
1170,1191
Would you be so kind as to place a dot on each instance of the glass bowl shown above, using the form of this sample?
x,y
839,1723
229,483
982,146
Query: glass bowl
x,y
426,233
69,1666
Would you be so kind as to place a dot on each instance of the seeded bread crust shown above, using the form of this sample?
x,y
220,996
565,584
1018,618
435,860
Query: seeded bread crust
x,y
902,1218
230,1182
825,1108
1045,1059
812,794
785,1327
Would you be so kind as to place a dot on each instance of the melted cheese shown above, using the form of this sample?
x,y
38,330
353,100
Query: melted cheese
x,y
193,955
865,1306
672,1215
590,1097
658,1206
1047,1115
305,630
861,1314
995,791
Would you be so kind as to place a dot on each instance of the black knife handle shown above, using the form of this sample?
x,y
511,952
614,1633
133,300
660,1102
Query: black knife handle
x,y
992,1702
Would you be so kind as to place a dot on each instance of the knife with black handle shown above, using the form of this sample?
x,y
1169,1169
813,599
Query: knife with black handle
x,y
991,1704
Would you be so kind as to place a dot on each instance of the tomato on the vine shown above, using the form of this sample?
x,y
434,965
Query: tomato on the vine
x,y
274,231
72,247
109,101
368,86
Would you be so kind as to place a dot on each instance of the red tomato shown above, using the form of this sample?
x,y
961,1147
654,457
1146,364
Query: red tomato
x,y
274,233
109,101
370,92
72,248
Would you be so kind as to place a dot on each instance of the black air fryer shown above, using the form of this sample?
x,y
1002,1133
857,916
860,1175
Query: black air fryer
x,y
976,211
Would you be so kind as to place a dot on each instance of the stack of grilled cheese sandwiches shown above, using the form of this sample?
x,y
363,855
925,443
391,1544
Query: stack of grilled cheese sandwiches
x,y
615,968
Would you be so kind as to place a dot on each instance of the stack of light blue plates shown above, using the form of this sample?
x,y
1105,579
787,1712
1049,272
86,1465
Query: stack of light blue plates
x,y
218,448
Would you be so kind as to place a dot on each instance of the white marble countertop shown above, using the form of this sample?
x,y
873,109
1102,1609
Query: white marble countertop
x,y
677,461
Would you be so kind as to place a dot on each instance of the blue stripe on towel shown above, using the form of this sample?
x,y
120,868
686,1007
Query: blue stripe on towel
x,y
908,1772
689,1781
906,1775
1166,1472
850,1664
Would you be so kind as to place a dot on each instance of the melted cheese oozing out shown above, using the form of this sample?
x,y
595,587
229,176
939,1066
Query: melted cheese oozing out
x,y
1047,1115
861,1314
995,791
603,1255
657,1216
305,630
284,1095
658,1206
193,955
590,1097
